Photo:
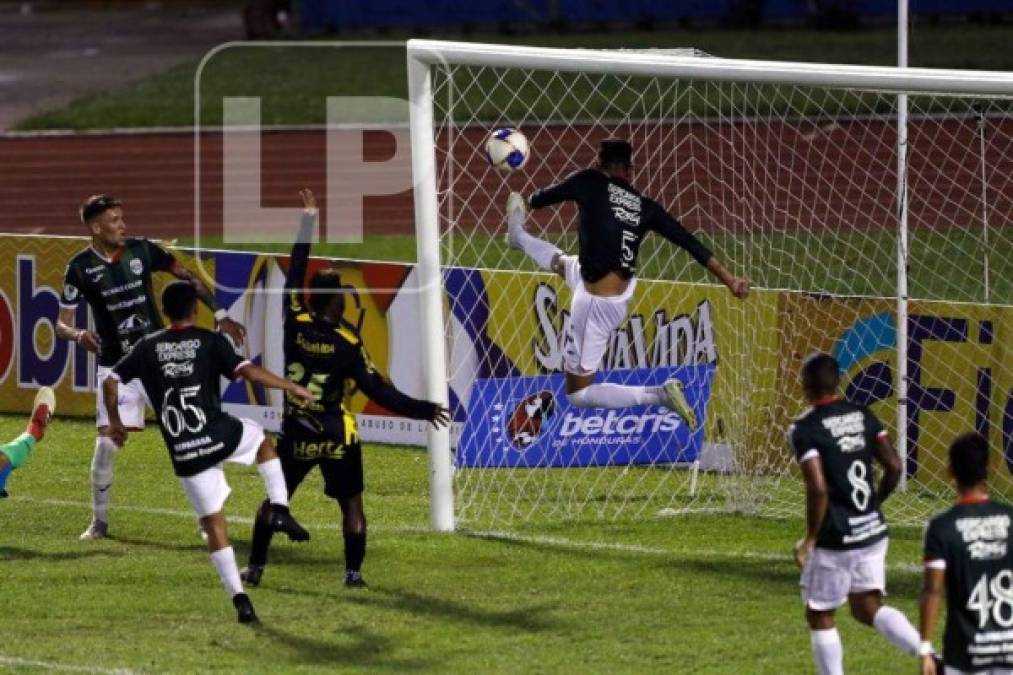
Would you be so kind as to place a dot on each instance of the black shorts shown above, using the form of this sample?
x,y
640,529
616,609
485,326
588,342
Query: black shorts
x,y
341,466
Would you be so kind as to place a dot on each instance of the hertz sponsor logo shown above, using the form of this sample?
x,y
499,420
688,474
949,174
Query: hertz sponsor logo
x,y
310,450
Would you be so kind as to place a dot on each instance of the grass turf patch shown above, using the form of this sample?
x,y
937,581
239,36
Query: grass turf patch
x,y
704,593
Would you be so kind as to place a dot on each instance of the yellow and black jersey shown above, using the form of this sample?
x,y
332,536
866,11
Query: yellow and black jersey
x,y
331,361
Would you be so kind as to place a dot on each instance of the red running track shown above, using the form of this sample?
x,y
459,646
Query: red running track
x,y
744,176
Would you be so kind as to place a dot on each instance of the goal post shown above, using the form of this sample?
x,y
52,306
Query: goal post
x,y
792,172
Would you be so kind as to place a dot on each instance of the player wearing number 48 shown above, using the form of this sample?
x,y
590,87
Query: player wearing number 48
x,y
843,554
967,552
180,368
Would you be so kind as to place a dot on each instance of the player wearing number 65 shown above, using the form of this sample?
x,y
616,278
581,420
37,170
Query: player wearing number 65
x,y
843,554
181,369
326,355
967,552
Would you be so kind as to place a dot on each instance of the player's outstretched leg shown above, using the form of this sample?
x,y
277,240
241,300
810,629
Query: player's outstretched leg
x,y
539,250
676,401
16,452
280,520
353,527
101,487
262,535
825,641
224,560
869,609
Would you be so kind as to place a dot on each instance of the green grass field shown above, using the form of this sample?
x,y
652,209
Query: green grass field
x,y
700,594
293,81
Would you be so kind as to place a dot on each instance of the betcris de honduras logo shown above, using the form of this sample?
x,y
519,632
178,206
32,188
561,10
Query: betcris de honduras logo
x,y
528,422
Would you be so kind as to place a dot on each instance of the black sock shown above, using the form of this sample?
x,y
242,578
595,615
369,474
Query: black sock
x,y
262,534
355,551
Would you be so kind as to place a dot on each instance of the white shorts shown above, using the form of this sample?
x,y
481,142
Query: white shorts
x,y
208,490
592,320
132,401
829,576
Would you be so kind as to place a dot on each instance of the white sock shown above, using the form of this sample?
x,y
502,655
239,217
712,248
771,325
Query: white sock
x,y
828,654
224,560
615,396
274,480
539,250
897,629
102,477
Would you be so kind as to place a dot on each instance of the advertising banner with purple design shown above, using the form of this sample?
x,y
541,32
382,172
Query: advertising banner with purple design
x,y
528,422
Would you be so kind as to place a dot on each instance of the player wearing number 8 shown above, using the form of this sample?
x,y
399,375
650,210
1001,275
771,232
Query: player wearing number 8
x,y
325,354
843,555
181,369
967,551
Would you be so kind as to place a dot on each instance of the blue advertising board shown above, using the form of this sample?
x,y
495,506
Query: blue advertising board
x,y
528,422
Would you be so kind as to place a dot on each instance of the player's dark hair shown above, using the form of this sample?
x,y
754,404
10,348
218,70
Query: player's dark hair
x,y
178,300
969,459
96,205
325,289
821,374
615,152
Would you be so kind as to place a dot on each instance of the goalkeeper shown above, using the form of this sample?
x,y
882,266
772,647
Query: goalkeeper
x,y
17,452
325,354
613,219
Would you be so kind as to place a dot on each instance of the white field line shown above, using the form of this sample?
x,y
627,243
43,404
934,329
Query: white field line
x,y
13,662
560,542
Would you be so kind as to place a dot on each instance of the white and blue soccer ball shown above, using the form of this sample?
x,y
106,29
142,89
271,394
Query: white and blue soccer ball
x,y
507,149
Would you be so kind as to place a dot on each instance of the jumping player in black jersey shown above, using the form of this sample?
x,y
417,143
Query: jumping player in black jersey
x,y
843,554
614,218
113,275
181,369
324,353
968,552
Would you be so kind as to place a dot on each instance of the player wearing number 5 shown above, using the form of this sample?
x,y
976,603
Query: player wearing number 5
x,y
843,554
326,355
181,369
967,552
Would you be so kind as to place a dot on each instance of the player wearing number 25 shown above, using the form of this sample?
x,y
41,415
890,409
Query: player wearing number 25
x,y
843,554
326,355
181,369
967,551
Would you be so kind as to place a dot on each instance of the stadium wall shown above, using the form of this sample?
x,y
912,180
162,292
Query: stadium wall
x,y
702,327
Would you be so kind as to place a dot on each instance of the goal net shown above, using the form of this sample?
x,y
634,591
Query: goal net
x,y
789,173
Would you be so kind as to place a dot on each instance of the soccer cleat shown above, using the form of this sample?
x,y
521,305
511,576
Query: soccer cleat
x,y
42,410
251,574
676,401
516,209
353,579
282,521
98,529
244,608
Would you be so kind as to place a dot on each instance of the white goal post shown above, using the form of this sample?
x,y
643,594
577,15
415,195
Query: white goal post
x,y
454,88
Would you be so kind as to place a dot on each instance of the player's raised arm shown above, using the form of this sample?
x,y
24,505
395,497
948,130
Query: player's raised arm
x,y
373,385
299,259
658,220
569,189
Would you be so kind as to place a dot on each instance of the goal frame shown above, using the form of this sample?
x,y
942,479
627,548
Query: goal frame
x,y
423,55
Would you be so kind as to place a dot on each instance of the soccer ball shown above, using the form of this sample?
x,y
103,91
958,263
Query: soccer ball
x,y
507,149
